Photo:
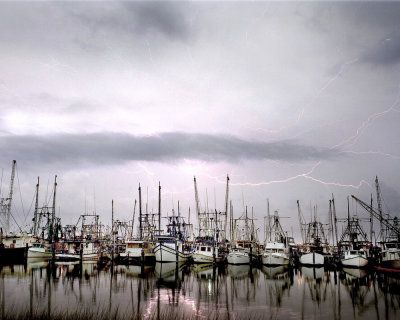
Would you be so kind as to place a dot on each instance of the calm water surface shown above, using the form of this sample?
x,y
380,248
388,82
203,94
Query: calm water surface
x,y
198,291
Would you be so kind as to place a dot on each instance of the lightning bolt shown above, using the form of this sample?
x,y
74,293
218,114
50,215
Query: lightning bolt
x,y
311,102
372,153
305,175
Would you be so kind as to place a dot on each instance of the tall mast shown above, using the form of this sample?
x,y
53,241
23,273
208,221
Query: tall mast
x,y
53,210
371,223
302,231
231,222
330,231
133,218
10,197
35,217
269,221
196,196
247,226
226,204
334,219
159,208
112,229
140,214
379,201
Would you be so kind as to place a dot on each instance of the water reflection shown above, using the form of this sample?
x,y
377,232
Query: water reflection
x,y
168,290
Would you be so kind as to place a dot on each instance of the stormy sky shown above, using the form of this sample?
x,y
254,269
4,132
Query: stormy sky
x,y
294,100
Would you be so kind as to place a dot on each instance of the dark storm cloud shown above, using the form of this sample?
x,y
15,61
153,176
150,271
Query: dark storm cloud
x,y
108,148
138,18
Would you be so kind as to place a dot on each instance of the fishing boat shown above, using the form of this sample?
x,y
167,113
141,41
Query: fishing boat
x,y
238,255
390,256
205,253
171,247
353,244
276,249
69,254
136,251
14,248
39,250
73,251
275,254
315,243
354,258
243,247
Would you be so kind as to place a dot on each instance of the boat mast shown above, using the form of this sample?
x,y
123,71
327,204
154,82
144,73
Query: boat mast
x,y
140,214
53,213
8,212
226,206
159,207
196,196
379,201
35,217
112,229
133,218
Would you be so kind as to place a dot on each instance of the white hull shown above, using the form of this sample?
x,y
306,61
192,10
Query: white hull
x,y
275,259
238,258
312,258
33,253
355,262
166,252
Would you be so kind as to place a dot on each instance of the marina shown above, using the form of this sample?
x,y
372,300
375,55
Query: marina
x,y
219,269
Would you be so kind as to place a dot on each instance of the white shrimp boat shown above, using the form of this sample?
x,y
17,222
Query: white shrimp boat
x,y
134,249
275,254
205,253
354,258
312,259
87,252
38,250
390,255
170,249
238,255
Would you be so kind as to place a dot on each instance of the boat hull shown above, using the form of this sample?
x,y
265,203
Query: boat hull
x,y
34,253
312,259
13,254
167,253
274,259
355,262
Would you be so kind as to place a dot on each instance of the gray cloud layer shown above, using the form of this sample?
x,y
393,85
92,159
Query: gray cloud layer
x,y
108,148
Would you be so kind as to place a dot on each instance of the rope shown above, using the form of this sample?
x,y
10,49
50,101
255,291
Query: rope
x,y
20,193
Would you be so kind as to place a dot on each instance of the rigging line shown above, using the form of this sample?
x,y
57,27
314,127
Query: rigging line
x,y
30,207
20,193
12,216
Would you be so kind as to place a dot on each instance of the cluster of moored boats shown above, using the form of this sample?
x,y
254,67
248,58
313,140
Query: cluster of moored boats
x,y
218,238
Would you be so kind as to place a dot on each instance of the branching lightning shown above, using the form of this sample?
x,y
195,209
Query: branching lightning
x,y
311,102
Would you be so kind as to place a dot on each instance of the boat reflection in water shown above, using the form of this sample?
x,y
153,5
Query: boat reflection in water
x,y
42,289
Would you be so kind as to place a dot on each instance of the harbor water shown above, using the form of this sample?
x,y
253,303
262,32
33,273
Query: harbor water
x,y
166,291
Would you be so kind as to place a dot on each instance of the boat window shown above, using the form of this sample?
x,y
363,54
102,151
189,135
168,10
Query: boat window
x,y
209,249
203,249
353,252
